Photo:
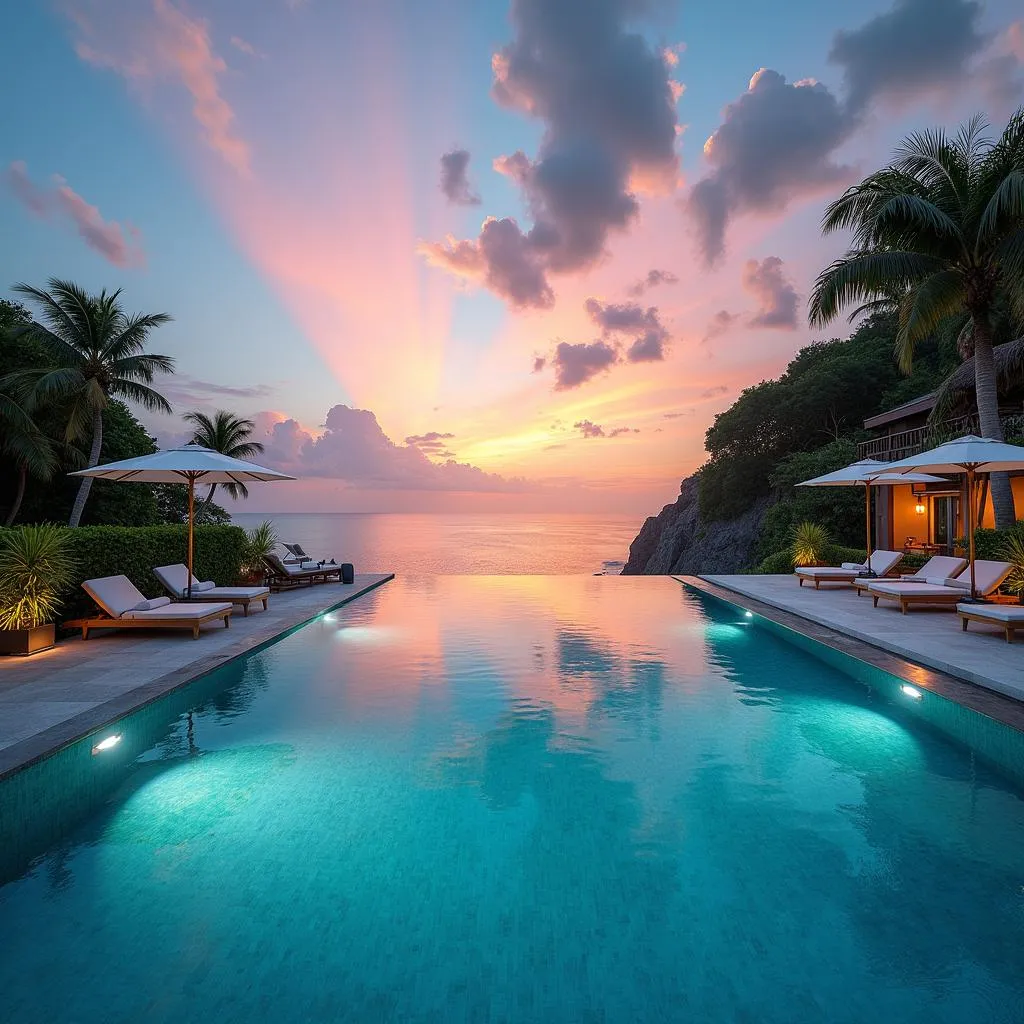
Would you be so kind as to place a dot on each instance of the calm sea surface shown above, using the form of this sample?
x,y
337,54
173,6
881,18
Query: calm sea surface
x,y
460,544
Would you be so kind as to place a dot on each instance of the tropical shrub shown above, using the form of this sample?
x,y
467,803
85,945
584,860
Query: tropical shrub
x,y
133,551
809,543
260,541
1012,551
36,571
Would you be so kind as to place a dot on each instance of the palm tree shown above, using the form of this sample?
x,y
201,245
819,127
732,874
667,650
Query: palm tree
x,y
942,227
227,434
27,446
97,353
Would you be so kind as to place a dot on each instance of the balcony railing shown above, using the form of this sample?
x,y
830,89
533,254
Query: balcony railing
x,y
909,442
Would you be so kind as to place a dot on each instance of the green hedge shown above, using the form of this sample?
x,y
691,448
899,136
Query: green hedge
x,y
990,544
133,551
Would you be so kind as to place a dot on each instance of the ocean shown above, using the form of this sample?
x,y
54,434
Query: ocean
x,y
476,544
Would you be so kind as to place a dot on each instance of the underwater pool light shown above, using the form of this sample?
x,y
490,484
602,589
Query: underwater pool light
x,y
749,614
911,691
106,744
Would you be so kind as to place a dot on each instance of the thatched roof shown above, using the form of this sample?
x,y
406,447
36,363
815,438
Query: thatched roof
x,y
955,397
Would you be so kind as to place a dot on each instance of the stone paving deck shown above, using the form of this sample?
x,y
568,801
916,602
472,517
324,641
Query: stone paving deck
x,y
57,696
928,636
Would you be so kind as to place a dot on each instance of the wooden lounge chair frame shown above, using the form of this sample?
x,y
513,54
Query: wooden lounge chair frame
x,y
107,622
906,600
1008,626
278,580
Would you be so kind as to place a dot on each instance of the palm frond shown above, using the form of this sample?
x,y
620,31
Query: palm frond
x,y
941,295
142,367
1005,208
123,387
865,276
61,324
130,337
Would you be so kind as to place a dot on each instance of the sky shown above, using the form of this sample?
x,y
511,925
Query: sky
x,y
463,256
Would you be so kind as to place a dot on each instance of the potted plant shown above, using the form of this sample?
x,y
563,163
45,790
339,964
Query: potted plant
x,y
36,569
259,542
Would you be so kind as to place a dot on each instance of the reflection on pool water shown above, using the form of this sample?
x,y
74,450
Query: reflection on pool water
x,y
521,799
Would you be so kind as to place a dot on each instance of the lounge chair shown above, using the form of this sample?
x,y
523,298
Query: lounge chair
x,y
939,565
880,562
281,574
174,579
936,590
297,555
1008,617
125,607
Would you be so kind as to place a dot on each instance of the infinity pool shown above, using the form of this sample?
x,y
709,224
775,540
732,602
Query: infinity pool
x,y
520,799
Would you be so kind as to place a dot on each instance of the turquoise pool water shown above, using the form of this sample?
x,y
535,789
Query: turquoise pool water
x,y
565,799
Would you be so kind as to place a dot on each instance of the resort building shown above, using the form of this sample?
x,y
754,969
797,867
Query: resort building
x,y
928,517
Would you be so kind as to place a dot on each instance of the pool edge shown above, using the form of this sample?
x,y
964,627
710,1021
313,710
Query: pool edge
x,y
41,745
1000,707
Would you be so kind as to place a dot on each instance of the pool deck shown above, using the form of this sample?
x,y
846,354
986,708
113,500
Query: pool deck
x,y
57,696
928,636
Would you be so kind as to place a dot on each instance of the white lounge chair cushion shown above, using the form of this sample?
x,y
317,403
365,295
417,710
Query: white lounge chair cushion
x,y
882,561
944,566
987,575
236,593
995,612
179,610
175,580
151,604
913,589
114,594
945,581
855,565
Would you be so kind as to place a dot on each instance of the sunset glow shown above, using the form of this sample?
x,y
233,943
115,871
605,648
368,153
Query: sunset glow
x,y
540,259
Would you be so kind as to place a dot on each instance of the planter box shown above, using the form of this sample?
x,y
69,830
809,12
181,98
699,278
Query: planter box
x,y
27,641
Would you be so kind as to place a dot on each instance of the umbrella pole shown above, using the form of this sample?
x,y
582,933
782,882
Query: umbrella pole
x,y
867,524
191,520
970,526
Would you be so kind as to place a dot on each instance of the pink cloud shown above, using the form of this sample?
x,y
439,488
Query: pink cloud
x,y
353,448
62,202
170,45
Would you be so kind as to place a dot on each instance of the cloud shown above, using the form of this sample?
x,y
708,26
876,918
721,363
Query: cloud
x,y
353,448
607,103
915,47
432,443
633,321
539,362
576,364
776,296
501,258
721,322
715,392
589,429
119,245
1001,70
774,145
246,47
454,183
170,46
182,389
652,280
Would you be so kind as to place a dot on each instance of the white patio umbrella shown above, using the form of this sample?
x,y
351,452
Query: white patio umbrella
x,y
868,473
968,455
190,465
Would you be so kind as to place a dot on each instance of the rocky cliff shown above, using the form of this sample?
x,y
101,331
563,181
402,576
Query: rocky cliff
x,y
678,541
